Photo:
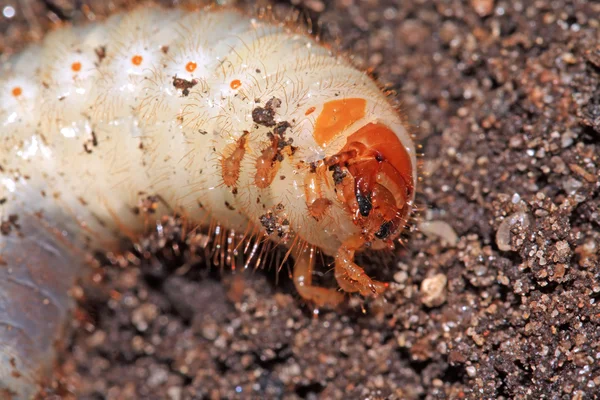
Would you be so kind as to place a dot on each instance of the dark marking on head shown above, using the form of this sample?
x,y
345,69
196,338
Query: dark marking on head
x,y
384,230
364,203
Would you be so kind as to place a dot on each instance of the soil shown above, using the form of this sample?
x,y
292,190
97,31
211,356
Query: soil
x,y
493,295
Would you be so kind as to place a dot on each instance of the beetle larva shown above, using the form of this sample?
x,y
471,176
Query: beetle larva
x,y
245,124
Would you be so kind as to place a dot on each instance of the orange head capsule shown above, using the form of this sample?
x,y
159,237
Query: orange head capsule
x,y
375,178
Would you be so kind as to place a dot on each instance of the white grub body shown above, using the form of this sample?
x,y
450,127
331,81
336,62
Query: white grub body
x,y
93,121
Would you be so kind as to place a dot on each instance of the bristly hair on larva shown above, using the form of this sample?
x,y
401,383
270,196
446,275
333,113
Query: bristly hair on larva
x,y
250,129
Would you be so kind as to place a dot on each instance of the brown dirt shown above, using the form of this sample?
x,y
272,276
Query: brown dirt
x,y
505,100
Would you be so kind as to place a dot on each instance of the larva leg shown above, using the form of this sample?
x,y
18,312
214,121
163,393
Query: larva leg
x,y
230,165
350,276
315,202
267,165
303,269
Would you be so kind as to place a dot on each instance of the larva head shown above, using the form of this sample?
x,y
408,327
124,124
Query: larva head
x,y
373,175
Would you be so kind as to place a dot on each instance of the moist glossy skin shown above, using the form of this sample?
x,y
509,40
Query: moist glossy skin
x,y
229,120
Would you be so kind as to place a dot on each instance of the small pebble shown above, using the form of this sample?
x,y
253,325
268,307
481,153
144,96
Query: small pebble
x,y
433,290
503,235
440,229
483,8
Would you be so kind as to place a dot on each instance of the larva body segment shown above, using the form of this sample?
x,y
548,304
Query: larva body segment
x,y
37,270
229,120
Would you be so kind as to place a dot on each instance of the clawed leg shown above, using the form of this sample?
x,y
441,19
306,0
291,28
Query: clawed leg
x,y
353,278
316,204
321,297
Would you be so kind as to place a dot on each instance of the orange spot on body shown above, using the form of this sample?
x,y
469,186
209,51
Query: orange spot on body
x,y
17,91
310,111
137,60
76,66
191,66
236,83
337,115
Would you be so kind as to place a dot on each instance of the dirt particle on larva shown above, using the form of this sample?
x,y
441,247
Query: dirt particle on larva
x,y
147,205
100,53
92,142
7,225
338,174
276,222
268,221
269,161
280,129
184,85
265,116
